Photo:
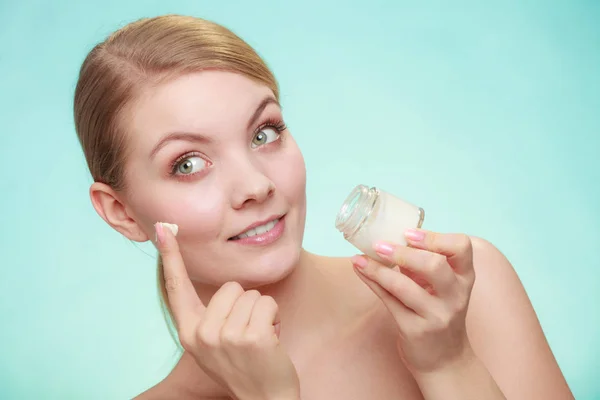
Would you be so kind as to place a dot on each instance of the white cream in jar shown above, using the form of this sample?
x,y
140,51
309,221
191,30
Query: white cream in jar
x,y
369,215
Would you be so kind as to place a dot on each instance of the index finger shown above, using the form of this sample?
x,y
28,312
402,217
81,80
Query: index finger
x,y
183,299
457,248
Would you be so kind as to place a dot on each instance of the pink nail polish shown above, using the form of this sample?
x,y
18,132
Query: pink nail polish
x,y
384,249
414,235
359,261
277,328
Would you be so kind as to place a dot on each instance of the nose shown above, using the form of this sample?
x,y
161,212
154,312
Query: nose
x,y
250,185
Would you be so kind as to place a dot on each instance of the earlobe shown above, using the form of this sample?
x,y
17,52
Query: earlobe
x,y
107,204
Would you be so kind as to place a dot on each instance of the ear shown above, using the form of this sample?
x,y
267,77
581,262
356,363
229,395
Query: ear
x,y
107,204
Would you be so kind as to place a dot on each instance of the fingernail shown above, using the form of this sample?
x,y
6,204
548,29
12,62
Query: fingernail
x,y
384,249
160,233
277,328
414,235
172,227
359,261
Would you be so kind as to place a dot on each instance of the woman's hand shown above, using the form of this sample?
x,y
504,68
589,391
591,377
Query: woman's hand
x,y
235,339
427,295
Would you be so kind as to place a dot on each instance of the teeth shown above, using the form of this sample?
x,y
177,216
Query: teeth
x,y
258,230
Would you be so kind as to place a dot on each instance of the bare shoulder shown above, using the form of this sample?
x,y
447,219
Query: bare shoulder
x,y
169,390
350,290
164,390
185,382
505,332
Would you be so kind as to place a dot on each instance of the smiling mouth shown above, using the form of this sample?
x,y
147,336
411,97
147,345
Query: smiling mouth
x,y
259,230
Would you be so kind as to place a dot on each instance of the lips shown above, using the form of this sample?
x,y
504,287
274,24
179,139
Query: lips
x,y
258,228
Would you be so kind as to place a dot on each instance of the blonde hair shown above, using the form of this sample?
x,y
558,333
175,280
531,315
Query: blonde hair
x,y
142,54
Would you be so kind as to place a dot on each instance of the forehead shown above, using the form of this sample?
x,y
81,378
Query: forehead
x,y
203,101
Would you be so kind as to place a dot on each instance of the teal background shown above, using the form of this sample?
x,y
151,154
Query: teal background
x,y
484,113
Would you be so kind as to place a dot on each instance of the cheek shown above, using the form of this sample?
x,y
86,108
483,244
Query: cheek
x,y
198,210
289,175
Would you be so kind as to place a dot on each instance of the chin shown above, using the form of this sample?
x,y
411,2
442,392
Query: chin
x,y
270,268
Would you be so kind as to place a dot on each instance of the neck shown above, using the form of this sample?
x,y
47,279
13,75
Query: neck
x,y
307,302
302,296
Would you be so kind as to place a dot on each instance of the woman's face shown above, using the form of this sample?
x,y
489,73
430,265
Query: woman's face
x,y
210,153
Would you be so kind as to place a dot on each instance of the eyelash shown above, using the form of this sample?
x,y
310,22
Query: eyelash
x,y
276,124
175,163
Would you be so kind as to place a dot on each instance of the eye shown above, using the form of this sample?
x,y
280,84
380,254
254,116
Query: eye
x,y
189,165
264,136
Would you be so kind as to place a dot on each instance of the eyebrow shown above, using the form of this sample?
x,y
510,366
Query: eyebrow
x,y
261,107
178,136
198,138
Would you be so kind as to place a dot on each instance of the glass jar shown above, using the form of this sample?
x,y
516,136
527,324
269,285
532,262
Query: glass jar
x,y
369,215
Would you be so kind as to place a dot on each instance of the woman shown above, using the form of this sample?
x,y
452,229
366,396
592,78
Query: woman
x,y
180,122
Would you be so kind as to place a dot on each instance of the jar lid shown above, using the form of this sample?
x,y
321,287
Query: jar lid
x,y
356,209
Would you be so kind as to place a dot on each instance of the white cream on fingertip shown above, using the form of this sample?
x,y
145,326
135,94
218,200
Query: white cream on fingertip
x,y
173,227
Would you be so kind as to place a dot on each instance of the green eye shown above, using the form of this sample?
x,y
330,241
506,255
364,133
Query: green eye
x,y
264,136
190,165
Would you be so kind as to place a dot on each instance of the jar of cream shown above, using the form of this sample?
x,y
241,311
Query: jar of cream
x,y
369,215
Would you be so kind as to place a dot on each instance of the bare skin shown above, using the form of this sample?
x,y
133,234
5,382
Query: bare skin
x,y
350,350
209,152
